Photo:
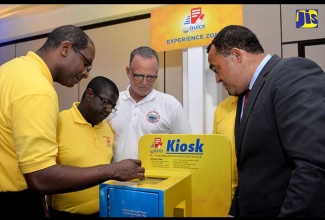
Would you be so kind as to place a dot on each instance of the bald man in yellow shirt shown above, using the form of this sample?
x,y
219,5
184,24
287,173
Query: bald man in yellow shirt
x,y
29,111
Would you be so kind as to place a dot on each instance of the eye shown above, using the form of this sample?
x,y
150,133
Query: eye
x,y
215,71
107,105
107,102
150,77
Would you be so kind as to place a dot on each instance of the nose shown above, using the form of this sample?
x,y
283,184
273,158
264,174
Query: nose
x,y
145,81
218,80
85,74
108,109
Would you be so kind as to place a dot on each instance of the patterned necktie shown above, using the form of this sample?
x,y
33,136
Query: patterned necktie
x,y
246,97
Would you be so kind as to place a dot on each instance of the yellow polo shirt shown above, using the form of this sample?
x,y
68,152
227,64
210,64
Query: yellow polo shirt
x,y
224,123
28,119
81,145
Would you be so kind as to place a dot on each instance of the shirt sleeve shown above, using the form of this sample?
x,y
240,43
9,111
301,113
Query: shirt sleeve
x,y
34,120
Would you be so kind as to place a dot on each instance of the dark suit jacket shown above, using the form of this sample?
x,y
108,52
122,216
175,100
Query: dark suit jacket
x,y
280,142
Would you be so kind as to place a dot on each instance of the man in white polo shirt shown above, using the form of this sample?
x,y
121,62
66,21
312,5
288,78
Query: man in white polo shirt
x,y
142,109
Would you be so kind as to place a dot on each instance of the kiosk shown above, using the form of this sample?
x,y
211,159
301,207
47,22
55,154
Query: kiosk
x,y
186,175
160,194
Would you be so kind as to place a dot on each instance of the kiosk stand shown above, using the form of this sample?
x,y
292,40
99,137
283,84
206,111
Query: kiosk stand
x,y
187,175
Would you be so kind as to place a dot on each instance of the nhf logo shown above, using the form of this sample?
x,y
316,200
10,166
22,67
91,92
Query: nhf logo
x,y
193,21
307,18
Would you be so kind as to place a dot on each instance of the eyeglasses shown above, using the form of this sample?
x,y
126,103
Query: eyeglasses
x,y
106,103
140,77
89,63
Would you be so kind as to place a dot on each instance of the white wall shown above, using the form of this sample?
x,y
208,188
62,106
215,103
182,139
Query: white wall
x,y
44,21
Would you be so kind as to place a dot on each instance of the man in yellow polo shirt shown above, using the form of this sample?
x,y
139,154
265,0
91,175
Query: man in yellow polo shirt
x,y
85,139
28,122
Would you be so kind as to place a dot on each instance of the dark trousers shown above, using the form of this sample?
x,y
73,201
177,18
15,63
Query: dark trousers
x,y
22,205
234,208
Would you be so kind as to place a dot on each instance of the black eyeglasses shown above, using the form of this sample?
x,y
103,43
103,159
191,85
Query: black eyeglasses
x,y
106,103
140,77
89,63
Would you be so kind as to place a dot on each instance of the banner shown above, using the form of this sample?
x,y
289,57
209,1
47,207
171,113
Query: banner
x,y
182,26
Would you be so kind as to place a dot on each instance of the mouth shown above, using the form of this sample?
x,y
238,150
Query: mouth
x,y
143,87
79,79
225,86
105,115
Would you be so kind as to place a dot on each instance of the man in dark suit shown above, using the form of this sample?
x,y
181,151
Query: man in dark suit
x,y
280,134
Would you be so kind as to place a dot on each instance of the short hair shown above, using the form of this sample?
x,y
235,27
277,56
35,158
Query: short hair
x,y
236,36
66,33
99,84
145,52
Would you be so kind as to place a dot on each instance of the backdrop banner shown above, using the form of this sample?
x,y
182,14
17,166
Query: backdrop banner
x,y
184,25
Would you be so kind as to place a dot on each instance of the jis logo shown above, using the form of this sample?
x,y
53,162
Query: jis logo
x,y
307,18
193,22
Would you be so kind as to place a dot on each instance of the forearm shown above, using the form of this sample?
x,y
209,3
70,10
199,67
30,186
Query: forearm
x,y
62,178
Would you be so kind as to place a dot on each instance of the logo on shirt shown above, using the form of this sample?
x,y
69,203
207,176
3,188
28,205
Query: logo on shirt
x,y
153,117
108,141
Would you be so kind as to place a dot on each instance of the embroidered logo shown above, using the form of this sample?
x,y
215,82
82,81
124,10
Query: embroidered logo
x,y
153,117
108,141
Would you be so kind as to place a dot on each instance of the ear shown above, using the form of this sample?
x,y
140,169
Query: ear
x,y
128,71
238,55
65,47
89,94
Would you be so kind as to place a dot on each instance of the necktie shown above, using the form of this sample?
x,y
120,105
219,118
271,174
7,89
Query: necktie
x,y
246,97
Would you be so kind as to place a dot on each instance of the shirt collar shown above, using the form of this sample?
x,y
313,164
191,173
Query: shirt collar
x,y
152,95
42,65
258,70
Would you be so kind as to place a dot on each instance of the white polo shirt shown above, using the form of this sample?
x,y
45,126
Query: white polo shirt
x,y
157,113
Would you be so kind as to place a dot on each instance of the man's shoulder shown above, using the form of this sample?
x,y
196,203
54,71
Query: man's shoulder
x,y
226,105
165,95
167,99
230,100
